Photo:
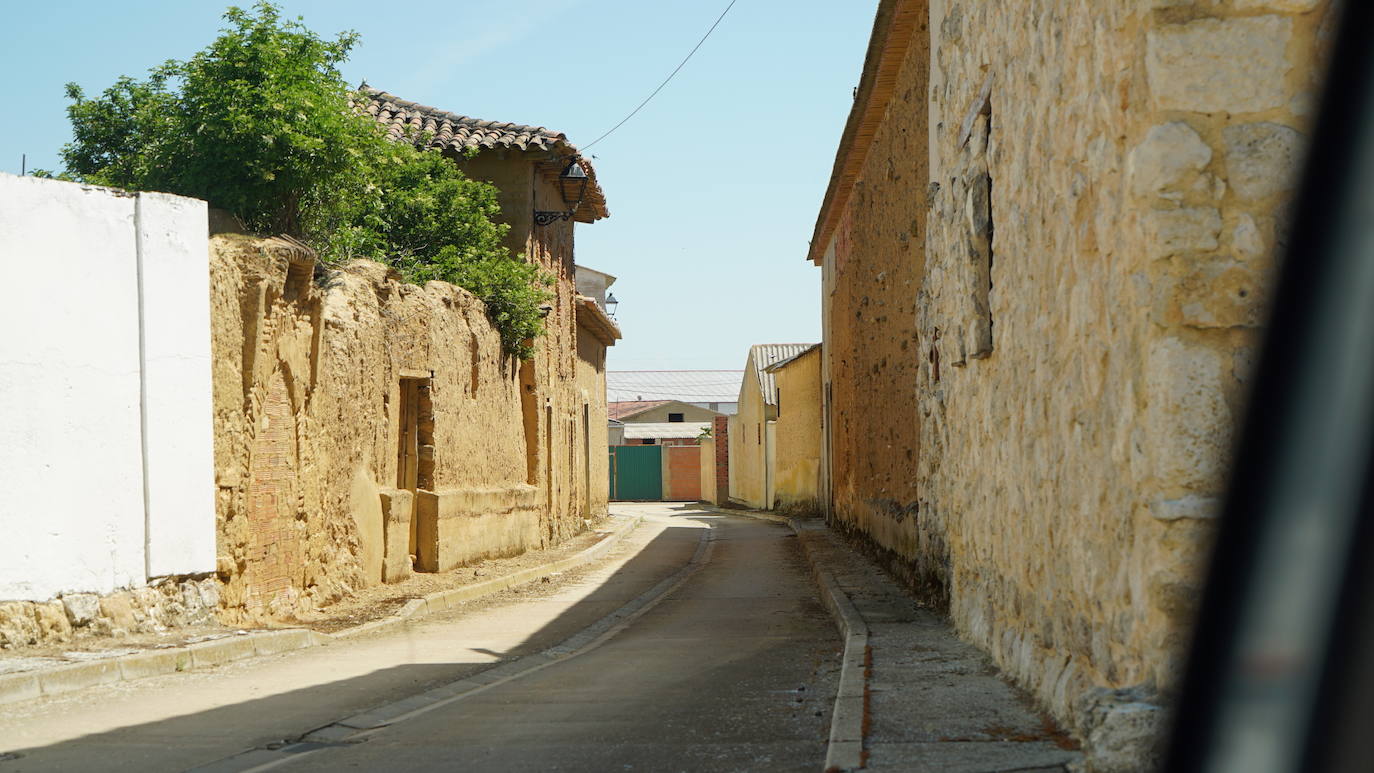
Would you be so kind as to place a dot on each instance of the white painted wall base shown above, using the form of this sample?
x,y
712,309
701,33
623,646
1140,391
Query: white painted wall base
x,y
104,378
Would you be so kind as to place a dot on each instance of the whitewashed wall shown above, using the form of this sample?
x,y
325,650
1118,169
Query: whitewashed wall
x,y
104,387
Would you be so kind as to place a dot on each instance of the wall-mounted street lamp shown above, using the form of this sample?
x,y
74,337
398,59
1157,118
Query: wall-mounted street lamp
x,y
611,303
572,185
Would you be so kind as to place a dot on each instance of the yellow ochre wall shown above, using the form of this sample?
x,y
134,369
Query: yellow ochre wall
x,y
797,462
748,435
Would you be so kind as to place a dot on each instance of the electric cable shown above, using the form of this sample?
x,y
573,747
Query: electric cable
x,y
665,80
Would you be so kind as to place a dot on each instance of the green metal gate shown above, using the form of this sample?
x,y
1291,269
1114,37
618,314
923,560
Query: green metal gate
x,y
636,473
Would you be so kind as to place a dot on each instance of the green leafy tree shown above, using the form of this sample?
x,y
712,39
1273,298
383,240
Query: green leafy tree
x,y
262,124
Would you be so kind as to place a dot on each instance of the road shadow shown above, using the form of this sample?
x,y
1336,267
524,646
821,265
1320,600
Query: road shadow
x,y
199,737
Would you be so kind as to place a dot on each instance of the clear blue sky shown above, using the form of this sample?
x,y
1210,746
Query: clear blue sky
x,y
713,188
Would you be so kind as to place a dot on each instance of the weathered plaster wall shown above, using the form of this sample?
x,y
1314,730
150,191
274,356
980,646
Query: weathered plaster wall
x,y
707,463
1101,234
592,462
871,276
105,370
312,371
798,434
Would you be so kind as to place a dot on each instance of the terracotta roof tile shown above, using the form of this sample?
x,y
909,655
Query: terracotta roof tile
x,y
441,130
619,410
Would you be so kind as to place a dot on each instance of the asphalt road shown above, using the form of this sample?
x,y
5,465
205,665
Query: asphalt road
x,y
735,668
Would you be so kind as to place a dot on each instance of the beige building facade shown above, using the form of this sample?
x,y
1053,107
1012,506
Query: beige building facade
x,y
797,432
752,446
1046,245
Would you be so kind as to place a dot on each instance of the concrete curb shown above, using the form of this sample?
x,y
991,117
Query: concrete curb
x,y
27,685
845,750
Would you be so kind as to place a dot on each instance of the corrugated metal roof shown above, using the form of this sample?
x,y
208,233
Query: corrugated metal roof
x,y
763,355
780,364
667,429
689,386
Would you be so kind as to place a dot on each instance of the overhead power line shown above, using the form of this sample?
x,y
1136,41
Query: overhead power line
x,y
665,80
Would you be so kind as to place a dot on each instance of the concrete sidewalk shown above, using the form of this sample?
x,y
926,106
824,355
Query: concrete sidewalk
x,y
58,678
930,701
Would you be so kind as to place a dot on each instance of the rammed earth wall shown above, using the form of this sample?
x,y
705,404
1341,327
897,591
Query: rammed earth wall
x,y
314,370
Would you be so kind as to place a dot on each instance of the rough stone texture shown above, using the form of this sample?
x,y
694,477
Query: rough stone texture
x,y
1168,154
164,604
81,608
1130,271
1210,65
1182,230
1061,481
1261,158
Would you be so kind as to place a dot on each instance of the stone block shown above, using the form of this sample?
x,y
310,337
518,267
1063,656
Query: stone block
x,y
1219,65
1167,155
1247,239
1189,507
117,609
52,621
18,628
1171,231
398,506
1126,738
81,608
1262,159
1188,424
1215,293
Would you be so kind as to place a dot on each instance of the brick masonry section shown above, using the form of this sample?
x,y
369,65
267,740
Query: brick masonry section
x,y
720,430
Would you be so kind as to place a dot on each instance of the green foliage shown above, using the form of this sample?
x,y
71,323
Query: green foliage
x,y
262,124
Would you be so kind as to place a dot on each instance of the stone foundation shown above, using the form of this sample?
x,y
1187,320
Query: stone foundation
x,y
161,606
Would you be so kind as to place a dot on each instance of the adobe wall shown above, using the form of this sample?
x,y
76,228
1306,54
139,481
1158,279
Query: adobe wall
x,y
1101,234
309,369
593,463
871,276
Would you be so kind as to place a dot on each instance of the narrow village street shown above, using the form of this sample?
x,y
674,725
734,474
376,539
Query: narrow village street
x,y
726,661
959,387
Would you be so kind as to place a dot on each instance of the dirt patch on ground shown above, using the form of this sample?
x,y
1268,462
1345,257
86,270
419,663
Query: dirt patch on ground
x,y
382,601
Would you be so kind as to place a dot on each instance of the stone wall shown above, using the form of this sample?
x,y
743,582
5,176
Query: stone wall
x,y
1050,258
365,426
1108,186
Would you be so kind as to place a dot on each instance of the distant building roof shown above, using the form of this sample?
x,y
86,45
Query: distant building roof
x,y
441,130
665,430
780,364
765,355
689,386
621,409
